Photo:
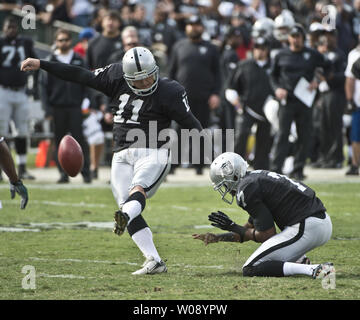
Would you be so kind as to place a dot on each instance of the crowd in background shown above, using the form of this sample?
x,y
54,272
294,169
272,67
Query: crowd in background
x,y
227,34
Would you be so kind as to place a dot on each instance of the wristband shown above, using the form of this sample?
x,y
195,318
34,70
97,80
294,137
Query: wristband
x,y
254,235
239,230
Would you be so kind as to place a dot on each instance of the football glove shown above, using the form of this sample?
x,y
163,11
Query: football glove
x,y
18,187
221,220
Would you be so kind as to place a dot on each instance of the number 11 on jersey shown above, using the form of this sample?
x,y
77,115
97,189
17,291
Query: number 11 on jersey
x,y
136,106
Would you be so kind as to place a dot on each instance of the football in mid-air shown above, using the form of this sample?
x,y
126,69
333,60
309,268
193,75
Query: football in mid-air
x,y
70,155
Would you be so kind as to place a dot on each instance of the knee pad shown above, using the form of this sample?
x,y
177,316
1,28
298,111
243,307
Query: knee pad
x,y
265,269
139,197
249,271
136,225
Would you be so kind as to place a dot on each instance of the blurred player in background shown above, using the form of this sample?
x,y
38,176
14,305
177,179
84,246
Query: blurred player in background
x,y
14,103
352,90
270,198
248,100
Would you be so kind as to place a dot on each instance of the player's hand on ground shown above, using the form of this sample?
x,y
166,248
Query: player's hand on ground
x,y
30,64
221,220
206,237
18,187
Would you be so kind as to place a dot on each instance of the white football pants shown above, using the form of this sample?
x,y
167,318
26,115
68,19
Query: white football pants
x,y
293,242
138,167
14,106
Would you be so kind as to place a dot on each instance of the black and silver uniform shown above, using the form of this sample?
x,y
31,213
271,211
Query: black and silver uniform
x,y
289,66
168,102
12,53
269,197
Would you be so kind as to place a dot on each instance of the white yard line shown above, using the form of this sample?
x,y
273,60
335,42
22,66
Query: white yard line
x,y
71,186
15,229
39,226
84,261
54,186
181,208
62,276
204,226
181,265
64,204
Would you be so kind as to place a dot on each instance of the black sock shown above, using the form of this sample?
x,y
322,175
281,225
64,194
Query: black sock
x,y
265,269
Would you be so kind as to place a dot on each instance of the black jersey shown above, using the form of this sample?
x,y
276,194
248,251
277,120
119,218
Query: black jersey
x,y
12,53
168,102
100,49
269,197
288,67
246,79
149,114
197,67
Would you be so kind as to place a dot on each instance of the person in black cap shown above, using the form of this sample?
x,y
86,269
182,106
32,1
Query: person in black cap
x,y
194,63
228,62
249,89
183,10
290,65
229,57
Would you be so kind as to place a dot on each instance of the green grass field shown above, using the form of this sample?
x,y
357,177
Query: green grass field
x,y
73,261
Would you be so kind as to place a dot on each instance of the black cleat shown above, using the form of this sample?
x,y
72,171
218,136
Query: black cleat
x,y
299,176
94,174
353,171
87,179
26,176
63,179
121,220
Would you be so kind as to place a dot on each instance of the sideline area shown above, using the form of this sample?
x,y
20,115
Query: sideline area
x,y
186,176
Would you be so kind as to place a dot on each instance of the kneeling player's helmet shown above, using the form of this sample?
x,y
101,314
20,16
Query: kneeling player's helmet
x,y
138,64
225,173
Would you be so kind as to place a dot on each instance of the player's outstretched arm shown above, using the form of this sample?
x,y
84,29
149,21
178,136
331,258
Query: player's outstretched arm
x,y
213,238
245,233
30,64
63,71
206,237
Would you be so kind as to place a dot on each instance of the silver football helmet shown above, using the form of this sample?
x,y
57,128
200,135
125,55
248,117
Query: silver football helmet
x,y
282,25
263,28
226,171
139,63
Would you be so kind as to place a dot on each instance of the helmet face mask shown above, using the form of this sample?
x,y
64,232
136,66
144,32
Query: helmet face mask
x,y
225,190
139,64
226,172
